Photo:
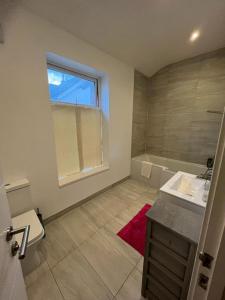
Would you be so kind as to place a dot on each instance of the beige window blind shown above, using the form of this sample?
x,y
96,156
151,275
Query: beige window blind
x,y
78,140
89,126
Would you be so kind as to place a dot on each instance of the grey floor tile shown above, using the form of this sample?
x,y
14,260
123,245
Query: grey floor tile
x,y
111,264
34,275
96,212
88,260
77,280
57,243
77,224
111,203
41,285
140,265
147,197
127,214
109,233
134,185
114,226
125,192
131,289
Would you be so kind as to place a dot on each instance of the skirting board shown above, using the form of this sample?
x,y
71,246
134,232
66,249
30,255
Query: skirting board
x,y
64,211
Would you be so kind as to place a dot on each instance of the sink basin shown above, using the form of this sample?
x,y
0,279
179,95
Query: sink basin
x,y
186,190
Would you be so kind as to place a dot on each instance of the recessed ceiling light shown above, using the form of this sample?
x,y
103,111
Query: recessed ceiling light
x,y
194,36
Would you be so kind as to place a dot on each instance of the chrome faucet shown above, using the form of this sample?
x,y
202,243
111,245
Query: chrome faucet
x,y
207,175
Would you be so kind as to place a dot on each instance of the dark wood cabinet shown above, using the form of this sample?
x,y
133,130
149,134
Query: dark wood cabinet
x,y
171,242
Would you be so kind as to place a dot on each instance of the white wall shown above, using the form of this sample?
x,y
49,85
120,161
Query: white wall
x,y
26,131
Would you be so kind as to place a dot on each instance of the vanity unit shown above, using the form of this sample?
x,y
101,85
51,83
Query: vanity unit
x,y
172,237
186,190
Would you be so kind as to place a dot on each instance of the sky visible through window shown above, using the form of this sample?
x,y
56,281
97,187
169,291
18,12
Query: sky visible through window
x,y
68,88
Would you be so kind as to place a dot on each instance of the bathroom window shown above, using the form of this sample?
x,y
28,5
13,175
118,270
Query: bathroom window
x,y
72,88
77,120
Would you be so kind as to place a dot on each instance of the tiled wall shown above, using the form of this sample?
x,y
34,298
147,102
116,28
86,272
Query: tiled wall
x,y
140,106
179,95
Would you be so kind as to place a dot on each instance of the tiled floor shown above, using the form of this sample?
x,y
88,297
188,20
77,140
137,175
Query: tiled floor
x,y
83,258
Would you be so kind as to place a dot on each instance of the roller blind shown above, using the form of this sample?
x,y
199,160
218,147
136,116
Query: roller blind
x,y
89,121
77,132
65,131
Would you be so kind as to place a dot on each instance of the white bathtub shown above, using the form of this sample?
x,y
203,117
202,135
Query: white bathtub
x,y
162,169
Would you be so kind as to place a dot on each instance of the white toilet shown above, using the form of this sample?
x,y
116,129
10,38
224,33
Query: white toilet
x,y
32,259
20,202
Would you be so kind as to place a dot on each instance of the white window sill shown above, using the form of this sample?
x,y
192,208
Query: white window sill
x,y
82,175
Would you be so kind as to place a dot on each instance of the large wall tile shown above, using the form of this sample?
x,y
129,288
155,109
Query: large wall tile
x,y
140,112
211,85
179,96
210,102
140,81
213,66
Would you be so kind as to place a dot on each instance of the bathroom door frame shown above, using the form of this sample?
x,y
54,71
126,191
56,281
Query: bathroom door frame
x,y
212,239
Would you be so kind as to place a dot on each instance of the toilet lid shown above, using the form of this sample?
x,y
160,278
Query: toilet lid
x,y
28,218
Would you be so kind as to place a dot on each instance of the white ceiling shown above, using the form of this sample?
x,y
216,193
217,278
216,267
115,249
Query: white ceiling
x,y
147,34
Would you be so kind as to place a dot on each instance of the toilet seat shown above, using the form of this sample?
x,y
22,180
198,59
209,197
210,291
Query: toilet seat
x,y
36,229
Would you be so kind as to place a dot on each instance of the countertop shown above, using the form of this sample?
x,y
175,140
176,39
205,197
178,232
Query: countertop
x,y
178,219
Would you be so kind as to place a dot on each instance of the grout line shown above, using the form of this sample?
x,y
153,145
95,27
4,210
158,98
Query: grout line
x,y
141,272
50,270
57,284
95,271
102,280
134,265
125,280
61,259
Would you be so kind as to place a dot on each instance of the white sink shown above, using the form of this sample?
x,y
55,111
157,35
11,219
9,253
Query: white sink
x,y
186,190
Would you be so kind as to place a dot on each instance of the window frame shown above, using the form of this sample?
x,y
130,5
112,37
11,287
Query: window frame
x,y
76,73
68,179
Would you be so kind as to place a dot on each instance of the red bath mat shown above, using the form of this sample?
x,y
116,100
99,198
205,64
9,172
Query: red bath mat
x,y
134,232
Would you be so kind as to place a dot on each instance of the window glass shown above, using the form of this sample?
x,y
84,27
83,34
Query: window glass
x,y
67,87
